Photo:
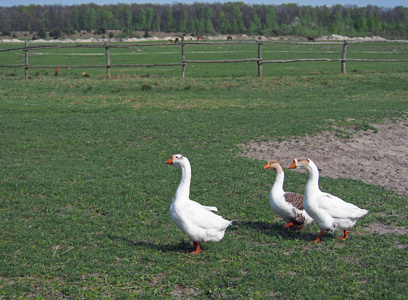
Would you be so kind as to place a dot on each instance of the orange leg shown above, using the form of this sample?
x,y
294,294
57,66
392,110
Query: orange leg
x,y
197,248
345,235
289,225
319,238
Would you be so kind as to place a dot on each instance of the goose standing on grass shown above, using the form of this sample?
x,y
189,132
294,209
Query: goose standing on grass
x,y
288,205
332,213
195,220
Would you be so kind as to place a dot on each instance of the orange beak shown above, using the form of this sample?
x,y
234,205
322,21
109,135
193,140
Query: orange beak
x,y
170,161
266,167
293,166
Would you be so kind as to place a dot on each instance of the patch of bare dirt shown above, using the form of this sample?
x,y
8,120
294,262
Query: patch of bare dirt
x,y
382,229
379,158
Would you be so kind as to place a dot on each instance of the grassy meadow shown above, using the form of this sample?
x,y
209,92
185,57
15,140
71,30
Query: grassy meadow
x,y
141,53
85,193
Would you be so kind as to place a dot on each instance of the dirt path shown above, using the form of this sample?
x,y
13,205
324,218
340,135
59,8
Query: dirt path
x,y
376,158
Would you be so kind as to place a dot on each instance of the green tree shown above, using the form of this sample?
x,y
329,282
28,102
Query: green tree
x,y
41,33
360,23
55,33
184,21
270,20
149,18
124,16
140,19
30,17
208,23
336,24
75,19
370,21
89,18
229,17
200,24
104,18
192,25
238,23
169,21
325,16
348,23
377,21
6,32
157,22
128,17
253,27
225,26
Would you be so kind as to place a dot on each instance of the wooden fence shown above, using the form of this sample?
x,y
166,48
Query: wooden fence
x,y
259,60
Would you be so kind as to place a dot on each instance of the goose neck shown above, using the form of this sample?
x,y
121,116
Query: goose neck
x,y
313,181
183,189
279,178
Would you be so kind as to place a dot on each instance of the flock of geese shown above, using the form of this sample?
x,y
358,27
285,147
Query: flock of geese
x,y
202,225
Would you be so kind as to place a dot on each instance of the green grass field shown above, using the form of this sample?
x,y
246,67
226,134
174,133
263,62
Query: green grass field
x,y
85,193
140,53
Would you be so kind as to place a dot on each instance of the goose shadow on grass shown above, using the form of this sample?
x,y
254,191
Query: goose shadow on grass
x,y
183,246
276,229
271,229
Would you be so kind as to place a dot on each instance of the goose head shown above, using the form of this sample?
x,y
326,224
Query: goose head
x,y
274,165
306,164
177,160
301,163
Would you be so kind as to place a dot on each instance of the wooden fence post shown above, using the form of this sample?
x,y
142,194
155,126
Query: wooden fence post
x,y
259,59
107,61
183,57
343,58
26,60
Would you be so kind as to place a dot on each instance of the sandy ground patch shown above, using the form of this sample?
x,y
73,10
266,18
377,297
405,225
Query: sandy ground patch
x,y
382,229
379,158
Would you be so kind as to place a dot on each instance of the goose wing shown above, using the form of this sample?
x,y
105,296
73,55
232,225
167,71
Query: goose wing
x,y
339,208
296,200
203,217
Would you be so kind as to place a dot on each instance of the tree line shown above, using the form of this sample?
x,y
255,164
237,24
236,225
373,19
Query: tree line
x,y
206,18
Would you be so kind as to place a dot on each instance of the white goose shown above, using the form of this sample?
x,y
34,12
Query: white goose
x,y
288,205
195,220
332,213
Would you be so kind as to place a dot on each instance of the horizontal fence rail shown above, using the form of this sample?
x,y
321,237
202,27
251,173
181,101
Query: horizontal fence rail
x,y
184,62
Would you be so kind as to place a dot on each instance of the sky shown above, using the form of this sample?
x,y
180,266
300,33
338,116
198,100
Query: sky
x,y
329,3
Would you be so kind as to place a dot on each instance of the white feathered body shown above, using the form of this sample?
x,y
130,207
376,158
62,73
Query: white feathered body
x,y
330,212
196,220
287,205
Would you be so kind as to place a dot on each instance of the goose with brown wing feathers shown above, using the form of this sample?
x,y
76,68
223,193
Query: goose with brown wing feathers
x,y
286,204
